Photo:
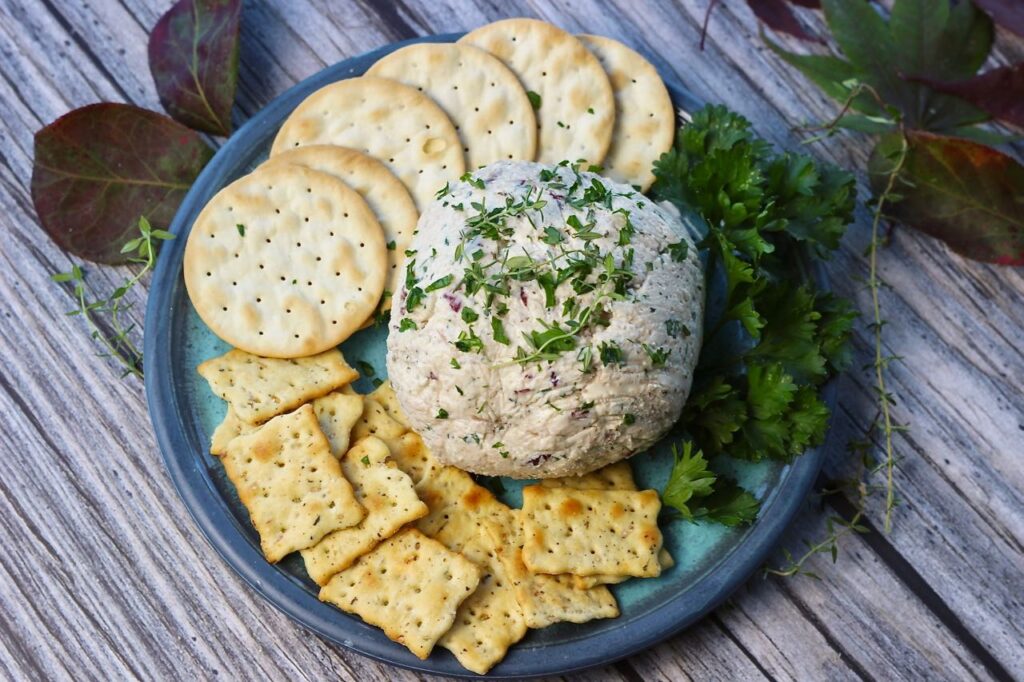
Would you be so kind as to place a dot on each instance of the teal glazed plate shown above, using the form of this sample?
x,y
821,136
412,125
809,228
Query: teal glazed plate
x,y
711,560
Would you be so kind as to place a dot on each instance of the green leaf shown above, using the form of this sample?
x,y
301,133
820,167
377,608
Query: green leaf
x,y
769,390
90,184
750,319
689,478
193,55
535,100
729,504
961,192
861,123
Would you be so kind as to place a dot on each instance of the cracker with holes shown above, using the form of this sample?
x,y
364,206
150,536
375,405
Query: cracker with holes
x,y
591,532
544,599
390,501
617,476
645,123
412,455
482,97
291,484
454,497
394,123
375,421
337,413
385,396
230,428
576,112
410,586
258,388
490,620
383,191
285,262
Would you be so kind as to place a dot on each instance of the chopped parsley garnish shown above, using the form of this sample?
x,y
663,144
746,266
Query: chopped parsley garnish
x,y
241,229
679,250
586,358
552,236
587,406
442,413
469,316
391,245
459,390
365,460
611,354
658,356
440,283
406,324
498,331
455,364
590,110
469,342
534,99
475,182
444,191
629,419
674,328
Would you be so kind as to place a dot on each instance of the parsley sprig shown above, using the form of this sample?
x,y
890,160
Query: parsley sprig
x,y
758,399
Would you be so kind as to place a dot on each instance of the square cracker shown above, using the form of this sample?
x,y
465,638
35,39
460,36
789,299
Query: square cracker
x,y
617,476
544,599
390,501
232,427
260,388
590,532
409,585
412,455
291,484
453,497
490,620
375,421
337,413
385,395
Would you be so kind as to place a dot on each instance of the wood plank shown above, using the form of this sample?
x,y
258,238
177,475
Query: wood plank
x,y
86,465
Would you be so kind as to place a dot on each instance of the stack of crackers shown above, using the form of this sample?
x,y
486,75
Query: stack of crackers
x,y
293,258
407,544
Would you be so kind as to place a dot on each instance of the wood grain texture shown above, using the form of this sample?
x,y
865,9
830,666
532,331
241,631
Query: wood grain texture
x,y
104,575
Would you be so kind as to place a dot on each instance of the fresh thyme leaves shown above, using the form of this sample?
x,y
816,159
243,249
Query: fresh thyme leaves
x,y
115,337
475,182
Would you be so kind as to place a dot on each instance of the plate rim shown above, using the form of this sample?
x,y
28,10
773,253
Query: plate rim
x,y
208,511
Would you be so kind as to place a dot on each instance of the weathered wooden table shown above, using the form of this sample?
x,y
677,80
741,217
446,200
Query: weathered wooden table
x,y
103,574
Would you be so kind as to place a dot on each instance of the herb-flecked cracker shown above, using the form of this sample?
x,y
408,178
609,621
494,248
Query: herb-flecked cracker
x,y
259,388
409,585
291,484
387,197
412,455
337,413
590,532
230,428
390,501
285,262
375,421
544,599
392,122
454,497
645,122
574,99
483,98
490,620
385,395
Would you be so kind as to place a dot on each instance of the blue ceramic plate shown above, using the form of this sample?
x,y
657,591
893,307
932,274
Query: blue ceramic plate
x,y
711,561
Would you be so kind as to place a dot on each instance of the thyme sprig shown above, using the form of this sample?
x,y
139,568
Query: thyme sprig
x,y
115,338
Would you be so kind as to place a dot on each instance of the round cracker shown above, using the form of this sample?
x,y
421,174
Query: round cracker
x,y
577,106
286,262
383,118
645,122
483,98
387,196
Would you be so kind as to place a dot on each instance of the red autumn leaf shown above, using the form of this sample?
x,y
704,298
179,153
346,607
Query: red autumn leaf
x,y
779,17
964,193
1000,92
1007,13
98,168
193,55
